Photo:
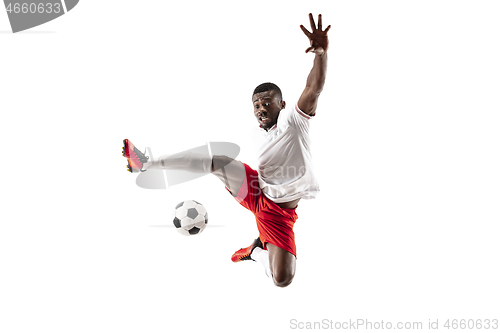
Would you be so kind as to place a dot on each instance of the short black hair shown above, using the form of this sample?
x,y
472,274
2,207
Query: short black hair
x,y
268,86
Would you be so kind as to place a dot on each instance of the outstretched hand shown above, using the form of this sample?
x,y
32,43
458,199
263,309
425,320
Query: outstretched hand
x,y
317,38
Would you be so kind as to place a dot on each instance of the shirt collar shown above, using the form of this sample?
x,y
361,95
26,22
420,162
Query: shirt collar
x,y
263,130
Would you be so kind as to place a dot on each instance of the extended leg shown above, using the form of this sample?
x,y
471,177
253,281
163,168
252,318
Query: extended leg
x,y
189,161
230,171
197,161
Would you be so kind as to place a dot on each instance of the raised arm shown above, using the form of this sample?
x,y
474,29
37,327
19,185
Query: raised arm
x,y
318,38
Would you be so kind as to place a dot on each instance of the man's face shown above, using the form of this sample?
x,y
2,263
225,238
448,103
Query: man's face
x,y
266,108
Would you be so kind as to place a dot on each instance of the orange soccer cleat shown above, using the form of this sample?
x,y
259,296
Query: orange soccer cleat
x,y
244,254
136,159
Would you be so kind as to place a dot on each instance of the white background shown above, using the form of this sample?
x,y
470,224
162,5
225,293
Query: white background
x,y
406,146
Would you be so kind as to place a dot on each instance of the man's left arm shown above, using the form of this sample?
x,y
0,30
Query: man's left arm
x,y
318,38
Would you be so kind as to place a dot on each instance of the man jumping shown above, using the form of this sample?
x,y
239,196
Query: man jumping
x,y
284,174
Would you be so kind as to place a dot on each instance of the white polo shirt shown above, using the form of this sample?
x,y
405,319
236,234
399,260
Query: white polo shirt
x,y
284,158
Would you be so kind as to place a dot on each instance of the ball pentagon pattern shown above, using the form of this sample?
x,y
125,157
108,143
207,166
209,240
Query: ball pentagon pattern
x,y
190,217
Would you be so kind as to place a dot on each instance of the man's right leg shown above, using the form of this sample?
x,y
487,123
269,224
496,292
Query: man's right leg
x,y
230,171
138,161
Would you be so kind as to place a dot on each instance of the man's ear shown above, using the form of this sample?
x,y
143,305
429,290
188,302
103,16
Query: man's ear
x,y
283,105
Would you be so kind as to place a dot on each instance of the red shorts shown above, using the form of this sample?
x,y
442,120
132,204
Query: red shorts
x,y
275,224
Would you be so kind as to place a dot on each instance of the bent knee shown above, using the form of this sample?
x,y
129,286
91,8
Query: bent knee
x,y
283,279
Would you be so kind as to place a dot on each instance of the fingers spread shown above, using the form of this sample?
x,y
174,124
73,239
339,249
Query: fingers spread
x,y
328,28
320,22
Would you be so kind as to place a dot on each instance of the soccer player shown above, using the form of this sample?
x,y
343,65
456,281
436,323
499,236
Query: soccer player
x,y
284,174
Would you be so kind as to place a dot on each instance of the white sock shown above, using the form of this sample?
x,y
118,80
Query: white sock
x,y
262,256
198,163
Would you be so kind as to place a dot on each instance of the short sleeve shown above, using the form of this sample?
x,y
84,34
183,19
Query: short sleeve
x,y
299,119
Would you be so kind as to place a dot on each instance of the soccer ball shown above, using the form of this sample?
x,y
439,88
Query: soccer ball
x,y
190,217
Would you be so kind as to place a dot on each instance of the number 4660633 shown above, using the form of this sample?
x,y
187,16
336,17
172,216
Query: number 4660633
x,y
33,8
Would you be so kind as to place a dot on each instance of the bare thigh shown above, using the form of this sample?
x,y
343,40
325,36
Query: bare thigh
x,y
230,171
282,264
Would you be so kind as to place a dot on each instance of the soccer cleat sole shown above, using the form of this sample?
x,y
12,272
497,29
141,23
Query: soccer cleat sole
x,y
134,156
124,148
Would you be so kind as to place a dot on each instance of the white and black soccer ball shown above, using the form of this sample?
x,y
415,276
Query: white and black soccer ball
x,y
190,217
